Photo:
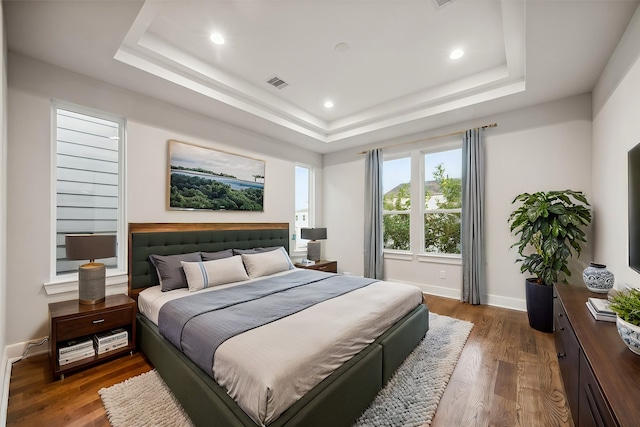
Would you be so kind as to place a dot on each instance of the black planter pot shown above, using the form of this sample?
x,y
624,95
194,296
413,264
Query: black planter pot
x,y
539,305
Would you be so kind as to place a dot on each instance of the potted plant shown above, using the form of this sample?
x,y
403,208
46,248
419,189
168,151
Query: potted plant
x,y
549,227
626,305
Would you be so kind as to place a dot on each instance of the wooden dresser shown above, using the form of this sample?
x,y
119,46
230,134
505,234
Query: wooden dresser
x,y
601,375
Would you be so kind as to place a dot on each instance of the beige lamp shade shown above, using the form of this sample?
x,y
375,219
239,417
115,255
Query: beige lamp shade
x,y
91,276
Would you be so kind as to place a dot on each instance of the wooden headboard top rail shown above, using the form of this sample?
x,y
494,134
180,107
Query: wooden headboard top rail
x,y
174,238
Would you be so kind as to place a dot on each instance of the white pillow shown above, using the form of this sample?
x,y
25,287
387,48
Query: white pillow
x,y
206,274
265,263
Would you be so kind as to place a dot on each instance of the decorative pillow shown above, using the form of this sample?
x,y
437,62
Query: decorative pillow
x,y
210,256
265,263
170,272
255,250
205,274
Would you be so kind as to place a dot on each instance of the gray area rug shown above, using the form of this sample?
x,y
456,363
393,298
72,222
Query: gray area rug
x,y
409,399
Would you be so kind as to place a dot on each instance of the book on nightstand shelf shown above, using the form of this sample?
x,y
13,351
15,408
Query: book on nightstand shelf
x,y
599,309
111,340
72,348
113,345
74,357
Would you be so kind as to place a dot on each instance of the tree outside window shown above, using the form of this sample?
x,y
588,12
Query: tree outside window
x,y
443,209
396,204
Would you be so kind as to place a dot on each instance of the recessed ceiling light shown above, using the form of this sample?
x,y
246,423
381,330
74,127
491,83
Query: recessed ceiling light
x,y
341,47
217,38
328,104
456,54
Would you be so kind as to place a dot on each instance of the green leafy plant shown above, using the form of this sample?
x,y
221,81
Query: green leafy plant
x,y
551,224
627,306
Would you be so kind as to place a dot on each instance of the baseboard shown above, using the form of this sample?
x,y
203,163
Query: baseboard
x,y
15,351
5,378
10,355
506,302
492,300
436,290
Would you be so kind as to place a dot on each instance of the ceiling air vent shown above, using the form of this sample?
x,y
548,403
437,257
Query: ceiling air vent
x,y
441,3
277,82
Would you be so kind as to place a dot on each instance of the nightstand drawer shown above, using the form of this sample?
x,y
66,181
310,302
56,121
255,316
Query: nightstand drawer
x,y
331,267
322,265
92,323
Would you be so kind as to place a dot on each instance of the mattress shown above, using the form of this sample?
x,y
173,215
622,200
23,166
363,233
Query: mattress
x,y
267,369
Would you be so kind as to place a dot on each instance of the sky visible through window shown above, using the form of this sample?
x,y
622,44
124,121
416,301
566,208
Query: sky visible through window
x,y
398,171
302,188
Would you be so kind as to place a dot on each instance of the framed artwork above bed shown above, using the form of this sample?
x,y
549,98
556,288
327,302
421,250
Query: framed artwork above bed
x,y
202,178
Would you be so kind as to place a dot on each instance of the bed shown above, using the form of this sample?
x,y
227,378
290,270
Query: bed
x,y
337,400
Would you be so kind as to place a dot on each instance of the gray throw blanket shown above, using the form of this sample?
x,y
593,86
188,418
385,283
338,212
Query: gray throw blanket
x,y
198,324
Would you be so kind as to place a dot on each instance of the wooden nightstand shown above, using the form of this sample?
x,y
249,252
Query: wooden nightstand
x,y
322,265
70,320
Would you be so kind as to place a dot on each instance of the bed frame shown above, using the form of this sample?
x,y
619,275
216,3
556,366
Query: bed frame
x,y
337,401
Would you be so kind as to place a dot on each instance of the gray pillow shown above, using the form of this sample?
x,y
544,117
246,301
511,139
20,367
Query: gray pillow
x,y
170,272
255,250
212,256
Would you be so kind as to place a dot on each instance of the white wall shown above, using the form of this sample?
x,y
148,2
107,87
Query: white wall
x,y
616,129
150,124
545,147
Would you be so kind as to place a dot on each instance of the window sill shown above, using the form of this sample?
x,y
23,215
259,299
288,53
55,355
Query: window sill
x,y
423,257
399,255
440,259
66,284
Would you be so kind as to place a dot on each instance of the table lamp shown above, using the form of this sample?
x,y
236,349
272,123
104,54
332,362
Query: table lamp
x,y
313,247
91,276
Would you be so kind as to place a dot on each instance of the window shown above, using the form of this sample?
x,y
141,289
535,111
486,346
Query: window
x,y
443,201
396,203
433,225
89,181
303,203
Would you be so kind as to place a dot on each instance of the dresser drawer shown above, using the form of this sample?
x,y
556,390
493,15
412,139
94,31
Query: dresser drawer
x,y
93,322
568,351
594,410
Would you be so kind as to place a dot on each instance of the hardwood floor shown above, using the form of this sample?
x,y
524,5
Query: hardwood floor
x,y
507,375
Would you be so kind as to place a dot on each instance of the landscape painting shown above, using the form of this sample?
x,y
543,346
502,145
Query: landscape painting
x,y
203,178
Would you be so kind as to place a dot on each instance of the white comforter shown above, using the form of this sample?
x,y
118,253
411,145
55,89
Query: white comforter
x,y
267,369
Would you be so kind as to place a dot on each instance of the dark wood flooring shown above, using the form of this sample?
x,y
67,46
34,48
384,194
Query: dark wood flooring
x,y
507,375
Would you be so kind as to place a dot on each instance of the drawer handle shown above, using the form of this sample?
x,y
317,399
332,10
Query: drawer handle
x,y
95,322
559,314
562,328
561,355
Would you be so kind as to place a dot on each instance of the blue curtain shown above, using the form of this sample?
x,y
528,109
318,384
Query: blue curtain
x,y
373,244
472,237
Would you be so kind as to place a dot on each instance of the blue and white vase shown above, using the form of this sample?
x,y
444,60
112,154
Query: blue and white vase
x,y
630,334
598,278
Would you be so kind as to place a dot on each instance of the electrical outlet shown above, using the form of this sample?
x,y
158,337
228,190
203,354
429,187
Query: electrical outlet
x,y
443,274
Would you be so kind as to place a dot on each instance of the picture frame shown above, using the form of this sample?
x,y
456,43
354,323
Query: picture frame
x,y
202,178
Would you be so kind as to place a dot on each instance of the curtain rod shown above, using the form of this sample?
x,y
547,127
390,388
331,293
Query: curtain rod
x,y
492,125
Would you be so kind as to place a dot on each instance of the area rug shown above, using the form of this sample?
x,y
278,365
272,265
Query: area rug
x,y
410,398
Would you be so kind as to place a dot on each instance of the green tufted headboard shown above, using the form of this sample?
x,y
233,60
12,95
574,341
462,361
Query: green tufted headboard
x,y
176,238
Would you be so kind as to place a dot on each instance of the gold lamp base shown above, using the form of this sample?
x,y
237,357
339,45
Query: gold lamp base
x,y
91,283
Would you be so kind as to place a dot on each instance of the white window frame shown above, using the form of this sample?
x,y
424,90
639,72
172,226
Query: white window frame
x,y
60,283
403,212
447,146
418,210
299,244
